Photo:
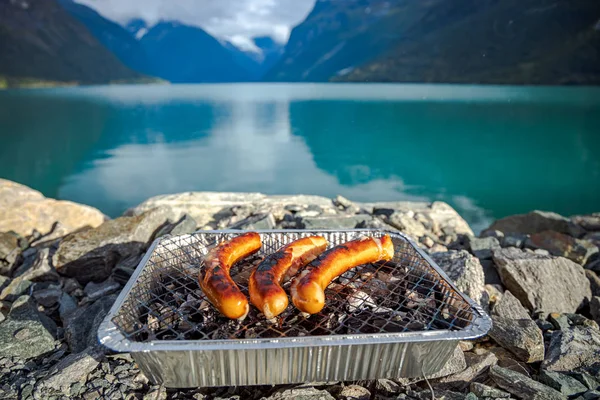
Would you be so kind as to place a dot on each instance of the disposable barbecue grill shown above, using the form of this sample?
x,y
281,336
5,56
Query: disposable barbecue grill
x,y
401,318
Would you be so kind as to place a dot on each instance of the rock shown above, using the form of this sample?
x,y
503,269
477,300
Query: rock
x,y
565,384
591,395
406,224
15,288
559,244
301,394
492,233
346,205
593,266
48,297
514,330
339,222
11,246
126,267
26,333
576,349
66,305
256,222
483,391
72,369
588,381
427,241
535,222
490,273
580,320
39,269
184,226
594,279
507,360
559,321
522,386
465,270
477,365
82,324
544,325
91,255
158,393
595,308
387,387
94,291
203,206
483,248
354,392
543,283
24,210
588,222
514,240
455,364
441,216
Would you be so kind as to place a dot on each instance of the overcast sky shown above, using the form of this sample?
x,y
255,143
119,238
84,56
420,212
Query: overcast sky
x,y
236,20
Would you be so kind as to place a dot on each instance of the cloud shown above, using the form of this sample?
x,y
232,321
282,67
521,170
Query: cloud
x,y
221,18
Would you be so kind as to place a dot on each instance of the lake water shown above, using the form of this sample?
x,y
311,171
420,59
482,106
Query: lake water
x,y
488,151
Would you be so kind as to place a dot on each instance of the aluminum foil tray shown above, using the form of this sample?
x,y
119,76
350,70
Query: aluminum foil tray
x,y
401,318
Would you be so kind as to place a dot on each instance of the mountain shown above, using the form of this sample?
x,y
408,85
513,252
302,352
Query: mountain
x,y
512,42
257,63
40,41
466,41
112,35
186,54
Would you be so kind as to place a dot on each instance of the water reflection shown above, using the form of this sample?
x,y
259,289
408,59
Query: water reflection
x,y
489,152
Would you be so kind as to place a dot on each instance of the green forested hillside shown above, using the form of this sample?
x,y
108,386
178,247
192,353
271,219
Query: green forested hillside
x,y
40,43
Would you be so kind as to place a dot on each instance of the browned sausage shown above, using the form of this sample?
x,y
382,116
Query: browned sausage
x,y
264,285
308,289
215,281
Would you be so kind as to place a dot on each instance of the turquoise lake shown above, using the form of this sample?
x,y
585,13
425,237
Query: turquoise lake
x,y
488,151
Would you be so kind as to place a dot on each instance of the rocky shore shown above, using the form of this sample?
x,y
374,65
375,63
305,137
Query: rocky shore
x,y
62,265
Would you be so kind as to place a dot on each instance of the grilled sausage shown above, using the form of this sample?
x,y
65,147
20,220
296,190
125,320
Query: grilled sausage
x,y
308,289
216,282
264,285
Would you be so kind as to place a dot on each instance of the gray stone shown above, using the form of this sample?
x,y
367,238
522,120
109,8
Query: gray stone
x,y
15,289
574,349
405,223
507,360
543,283
354,392
580,320
477,365
488,392
589,222
591,395
492,233
24,210
565,384
514,240
156,393
559,244
91,255
490,272
48,297
387,387
588,381
559,321
39,268
594,266
522,386
595,308
535,222
465,270
26,333
66,305
301,394
94,291
594,279
256,222
339,222
72,369
184,226
544,325
514,330
483,248
82,324
457,363
346,205
11,246
126,267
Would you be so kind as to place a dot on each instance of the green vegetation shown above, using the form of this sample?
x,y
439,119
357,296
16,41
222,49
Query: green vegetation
x,y
505,42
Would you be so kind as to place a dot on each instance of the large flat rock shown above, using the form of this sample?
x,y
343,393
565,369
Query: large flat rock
x,y
543,283
536,222
23,209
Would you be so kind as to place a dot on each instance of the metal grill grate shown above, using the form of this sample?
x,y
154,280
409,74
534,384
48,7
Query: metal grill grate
x,y
403,295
